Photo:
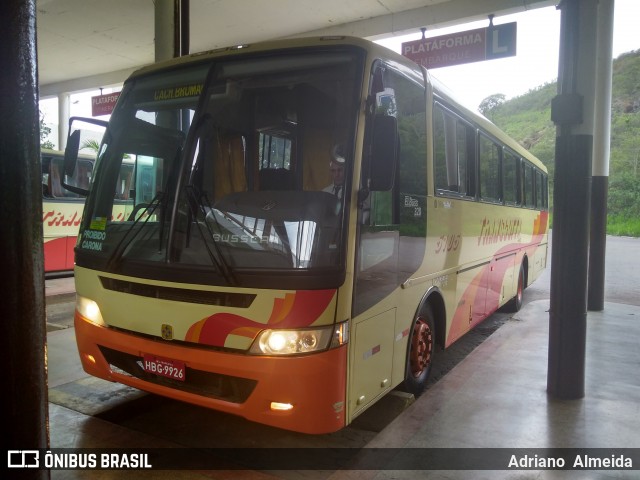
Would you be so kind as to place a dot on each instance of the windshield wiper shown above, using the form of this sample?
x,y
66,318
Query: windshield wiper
x,y
146,210
217,258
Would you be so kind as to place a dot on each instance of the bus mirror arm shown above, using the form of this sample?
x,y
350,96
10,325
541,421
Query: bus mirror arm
x,y
363,194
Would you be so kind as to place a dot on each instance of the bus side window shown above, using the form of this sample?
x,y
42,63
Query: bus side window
x,y
46,191
55,188
454,145
489,158
123,187
510,178
539,191
83,173
528,180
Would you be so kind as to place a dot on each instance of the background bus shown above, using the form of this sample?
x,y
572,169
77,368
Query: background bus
x,y
61,209
236,281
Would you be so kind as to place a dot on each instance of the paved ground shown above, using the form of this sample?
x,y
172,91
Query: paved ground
x,y
89,412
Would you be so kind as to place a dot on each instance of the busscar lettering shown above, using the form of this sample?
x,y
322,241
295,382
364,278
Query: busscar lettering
x,y
232,238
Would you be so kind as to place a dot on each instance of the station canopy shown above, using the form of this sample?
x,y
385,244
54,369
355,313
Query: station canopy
x,y
87,44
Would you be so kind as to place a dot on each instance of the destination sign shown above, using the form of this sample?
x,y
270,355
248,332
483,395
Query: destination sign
x,y
494,41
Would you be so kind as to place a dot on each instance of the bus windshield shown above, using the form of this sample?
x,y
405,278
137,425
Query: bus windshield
x,y
224,169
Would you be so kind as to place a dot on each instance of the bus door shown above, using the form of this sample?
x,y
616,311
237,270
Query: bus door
x,y
391,233
374,301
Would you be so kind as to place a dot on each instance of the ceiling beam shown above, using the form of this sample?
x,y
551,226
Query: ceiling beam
x,y
439,15
93,82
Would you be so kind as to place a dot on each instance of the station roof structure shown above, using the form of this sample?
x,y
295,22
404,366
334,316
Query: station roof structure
x,y
87,44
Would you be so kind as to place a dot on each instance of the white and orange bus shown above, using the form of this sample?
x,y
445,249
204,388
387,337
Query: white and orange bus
x,y
236,281
61,209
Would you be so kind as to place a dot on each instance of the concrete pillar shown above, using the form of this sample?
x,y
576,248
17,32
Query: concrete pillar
x,y
601,151
171,29
573,113
164,29
64,109
23,402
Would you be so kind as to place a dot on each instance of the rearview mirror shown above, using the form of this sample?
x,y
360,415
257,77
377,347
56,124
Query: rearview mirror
x,y
384,153
71,153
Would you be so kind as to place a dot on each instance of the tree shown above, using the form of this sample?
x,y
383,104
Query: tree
x,y
491,102
92,145
44,133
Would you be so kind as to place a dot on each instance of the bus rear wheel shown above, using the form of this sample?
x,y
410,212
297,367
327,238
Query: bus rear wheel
x,y
421,348
515,304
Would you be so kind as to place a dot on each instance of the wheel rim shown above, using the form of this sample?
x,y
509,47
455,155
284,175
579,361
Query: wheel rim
x,y
421,347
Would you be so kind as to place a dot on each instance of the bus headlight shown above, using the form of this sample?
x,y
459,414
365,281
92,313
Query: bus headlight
x,y
89,309
296,342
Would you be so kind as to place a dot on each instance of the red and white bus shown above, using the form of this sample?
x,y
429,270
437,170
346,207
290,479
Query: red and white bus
x,y
61,209
237,280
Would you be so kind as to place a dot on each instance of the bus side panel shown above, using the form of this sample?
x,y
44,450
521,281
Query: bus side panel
x,y
493,243
372,356
59,254
538,258
60,224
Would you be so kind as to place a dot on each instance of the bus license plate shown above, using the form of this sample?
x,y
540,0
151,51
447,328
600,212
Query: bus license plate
x,y
164,367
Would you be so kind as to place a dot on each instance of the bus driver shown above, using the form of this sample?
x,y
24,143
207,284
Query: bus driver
x,y
336,167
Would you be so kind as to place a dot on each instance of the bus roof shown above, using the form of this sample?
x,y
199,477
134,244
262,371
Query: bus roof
x,y
60,153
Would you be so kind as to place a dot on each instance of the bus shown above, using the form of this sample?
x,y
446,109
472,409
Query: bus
x,y
61,209
237,282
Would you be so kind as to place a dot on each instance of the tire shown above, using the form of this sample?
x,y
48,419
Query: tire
x,y
515,304
420,351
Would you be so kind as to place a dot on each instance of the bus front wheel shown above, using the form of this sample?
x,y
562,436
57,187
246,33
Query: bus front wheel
x,y
420,353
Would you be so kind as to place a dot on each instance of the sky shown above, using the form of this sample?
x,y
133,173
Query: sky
x,y
536,62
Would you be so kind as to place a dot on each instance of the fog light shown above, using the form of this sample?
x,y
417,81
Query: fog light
x,y
281,406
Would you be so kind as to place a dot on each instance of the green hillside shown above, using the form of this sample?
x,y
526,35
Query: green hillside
x,y
528,119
